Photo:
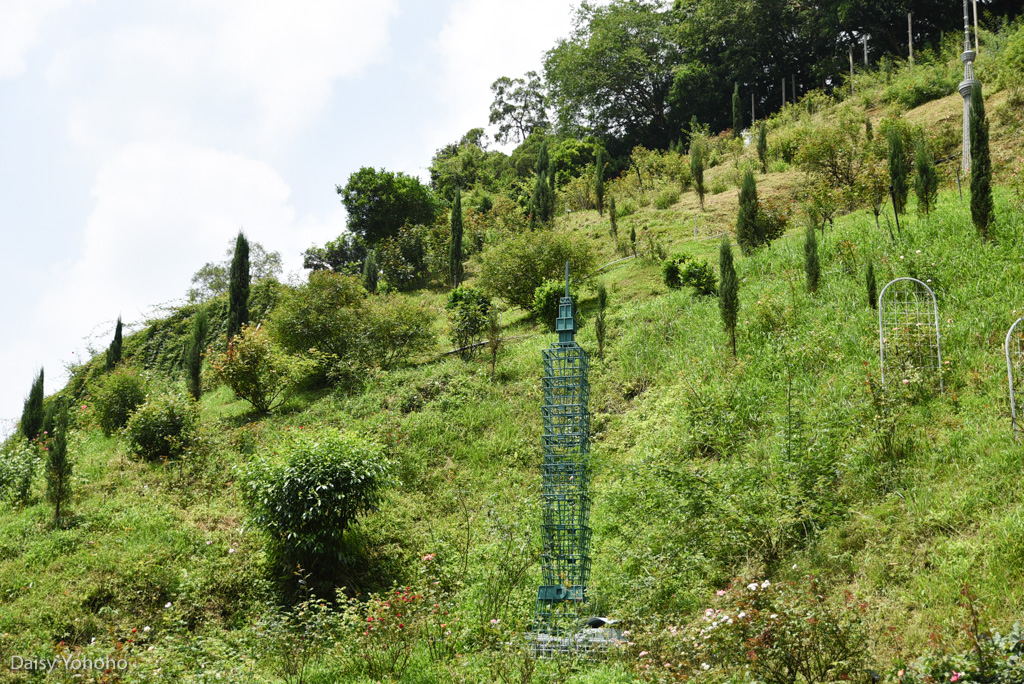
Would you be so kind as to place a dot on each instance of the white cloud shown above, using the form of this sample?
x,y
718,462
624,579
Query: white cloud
x,y
20,23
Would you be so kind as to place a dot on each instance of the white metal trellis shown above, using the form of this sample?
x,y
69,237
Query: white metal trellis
x,y
1014,358
910,327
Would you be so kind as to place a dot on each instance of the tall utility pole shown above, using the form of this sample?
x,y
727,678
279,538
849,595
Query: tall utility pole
x,y
783,91
851,71
976,27
864,39
910,37
965,90
752,119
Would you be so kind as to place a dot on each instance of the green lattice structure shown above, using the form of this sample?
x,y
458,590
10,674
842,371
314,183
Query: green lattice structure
x,y
565,558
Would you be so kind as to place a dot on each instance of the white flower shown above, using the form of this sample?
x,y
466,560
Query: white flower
x,y
918,251
794,566
705,666
742,614
765,584
752,586
146,628
167,605
773,616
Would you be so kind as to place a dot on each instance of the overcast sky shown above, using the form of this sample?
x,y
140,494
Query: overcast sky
x,y
138,136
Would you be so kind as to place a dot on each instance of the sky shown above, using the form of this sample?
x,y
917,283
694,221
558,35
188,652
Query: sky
x,y
137,137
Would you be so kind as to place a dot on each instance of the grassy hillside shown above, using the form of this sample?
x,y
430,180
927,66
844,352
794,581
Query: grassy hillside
x,y
709,472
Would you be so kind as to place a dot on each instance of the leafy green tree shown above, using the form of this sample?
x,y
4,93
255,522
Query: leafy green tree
x,y
872,286
762,146
378,203
256,369
238,287
697,160
926,182
898,169
58,465
812,269
194,352
345,254
542,201
466,164
455,247
981,165
212,278
614,229
728,291
737,111
371,272
114,350
519,107
599,182
32,414
467,317
747,225
515,268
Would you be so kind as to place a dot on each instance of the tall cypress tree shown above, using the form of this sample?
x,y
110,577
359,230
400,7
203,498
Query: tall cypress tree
x,y
613,218
32,414
728,291
370,271
762,146
599,182
737,111
600,323
194,352
898,169
58,465
747,230
812,268
981,165
238,287
926,181
697,166
455,248
114,350
872,286
542,201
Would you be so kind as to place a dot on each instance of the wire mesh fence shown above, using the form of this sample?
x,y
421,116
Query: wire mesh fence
x,y
908,331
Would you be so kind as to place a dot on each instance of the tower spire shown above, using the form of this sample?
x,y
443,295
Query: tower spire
x,y
965,90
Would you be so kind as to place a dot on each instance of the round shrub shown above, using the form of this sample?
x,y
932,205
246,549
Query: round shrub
x,y
257,369
467,314
166,426
699,275
670,270
316,484
546,299
116,398
515,268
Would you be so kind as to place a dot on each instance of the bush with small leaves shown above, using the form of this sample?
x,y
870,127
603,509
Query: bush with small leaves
x,y
467,315
671,268
166,426
19,464
257,369
393,328
117,396
515,268
307,490
546,299
699,275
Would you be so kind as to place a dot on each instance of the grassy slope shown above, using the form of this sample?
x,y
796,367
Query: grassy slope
x,y
685,498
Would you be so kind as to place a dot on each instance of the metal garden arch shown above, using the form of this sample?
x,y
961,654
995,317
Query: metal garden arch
x,y
1014,358
913,327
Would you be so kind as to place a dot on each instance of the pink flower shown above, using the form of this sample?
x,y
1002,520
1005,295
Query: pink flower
x,y
428,557
643,653
720,592
956,675
906,382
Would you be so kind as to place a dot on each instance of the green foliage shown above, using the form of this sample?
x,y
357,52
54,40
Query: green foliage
x,y
378,203
613,219
748,230
546,299
345,254
167,425
812,268
312,487
58,464
872,286
666,198
698,155
772,219
238,287
467,316
737,111
542,201
405,259
728,291
455,248
981,165
256,369
762,146
116,396
670,270
915,85
394,328
371,272
114,350
515,268
699,274
926,181
32,413
600,321
19,464
494,341
211,280
519,107
899,169
599,182
194,353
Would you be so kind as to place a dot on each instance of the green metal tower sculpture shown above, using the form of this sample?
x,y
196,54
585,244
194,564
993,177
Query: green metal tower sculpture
x,y
565,558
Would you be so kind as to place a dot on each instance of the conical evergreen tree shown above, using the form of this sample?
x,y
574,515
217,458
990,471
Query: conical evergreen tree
x,y
542,201
899,169
455,247
632,238
194,352
600,323
737,111
238,287
728,291
599,182
981,165
762,146
58,465
747,229
697,166
872,286
812,268
371,271
114,350
32,415
926,181
613,218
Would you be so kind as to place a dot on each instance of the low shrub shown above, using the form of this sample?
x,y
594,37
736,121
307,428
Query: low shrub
x,y
19,464
773,215
315,484
515,268
670,270
626,208
166,426
546,299
117,396
718,186
666,198
914,86
256,369
699,275
467,315
393,328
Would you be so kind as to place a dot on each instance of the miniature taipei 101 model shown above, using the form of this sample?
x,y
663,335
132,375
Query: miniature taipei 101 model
x,y
565,558
965,90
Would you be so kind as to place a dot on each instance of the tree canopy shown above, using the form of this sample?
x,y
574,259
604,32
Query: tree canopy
x,y
380,202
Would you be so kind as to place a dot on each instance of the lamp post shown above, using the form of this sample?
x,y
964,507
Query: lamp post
x,y
965,90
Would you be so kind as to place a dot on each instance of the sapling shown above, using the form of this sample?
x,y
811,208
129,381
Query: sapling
x,y
728,291
872,286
